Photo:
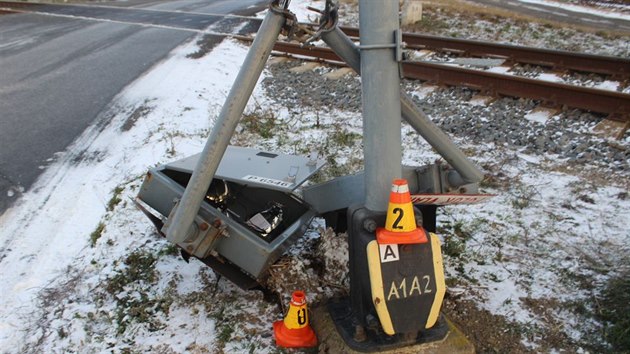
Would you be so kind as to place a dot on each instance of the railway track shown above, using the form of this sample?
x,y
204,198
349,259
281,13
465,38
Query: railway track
x,y
614,104
618,68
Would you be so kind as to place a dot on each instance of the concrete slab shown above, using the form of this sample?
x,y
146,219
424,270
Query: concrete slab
x,y
611,128
479,62
541,114
339,73
420,54
482,100
304,67
411,12
277,60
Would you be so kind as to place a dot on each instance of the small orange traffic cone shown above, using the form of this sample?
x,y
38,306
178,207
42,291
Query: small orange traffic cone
x,y
294,331
400,225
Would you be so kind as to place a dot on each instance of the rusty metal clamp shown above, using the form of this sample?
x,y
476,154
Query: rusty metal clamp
x,y
281,7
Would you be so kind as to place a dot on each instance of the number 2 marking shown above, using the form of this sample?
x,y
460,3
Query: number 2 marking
x,y
398,219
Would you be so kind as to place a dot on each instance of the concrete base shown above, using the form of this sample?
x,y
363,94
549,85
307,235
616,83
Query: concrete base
x,y
330,340
339,73
305,67
277,60
482,100
611,128
411,12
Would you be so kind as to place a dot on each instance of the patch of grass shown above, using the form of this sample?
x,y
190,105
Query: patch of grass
x,y
170,249
261,122
226,333
455,236
453,246
460,231
615,311
489,181
586,199
141,310
343,137
225,322
115,199
96,234
522,197
130,289
520,202
139,268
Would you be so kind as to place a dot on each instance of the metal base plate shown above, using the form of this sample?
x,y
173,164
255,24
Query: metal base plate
x,y
375,339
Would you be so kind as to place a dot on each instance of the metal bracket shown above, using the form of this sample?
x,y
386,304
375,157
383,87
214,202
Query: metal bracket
x,y
397,45
327,21
441,178
376,46
281,7
201,237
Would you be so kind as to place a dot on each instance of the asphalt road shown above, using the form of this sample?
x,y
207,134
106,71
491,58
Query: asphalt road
x,y
561,15
57,73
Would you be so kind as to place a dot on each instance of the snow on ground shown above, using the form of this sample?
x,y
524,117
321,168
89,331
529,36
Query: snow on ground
x,y
84,271
539,116
549,77
582,9
531,243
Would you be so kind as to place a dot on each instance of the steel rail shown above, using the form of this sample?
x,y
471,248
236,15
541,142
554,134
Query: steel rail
x,y
615,104
561,60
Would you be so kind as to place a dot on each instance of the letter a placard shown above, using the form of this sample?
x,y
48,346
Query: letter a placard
x,y
389,253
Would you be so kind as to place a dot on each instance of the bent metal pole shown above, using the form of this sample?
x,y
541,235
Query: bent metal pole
x,y
225,125
349,52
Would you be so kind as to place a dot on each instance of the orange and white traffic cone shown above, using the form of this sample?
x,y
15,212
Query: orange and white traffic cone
x,y
294,331
400,224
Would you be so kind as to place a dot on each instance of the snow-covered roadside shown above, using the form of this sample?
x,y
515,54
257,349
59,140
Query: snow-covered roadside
x,y
49,241
48,232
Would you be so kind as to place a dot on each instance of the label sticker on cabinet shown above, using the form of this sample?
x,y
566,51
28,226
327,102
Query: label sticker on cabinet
x,y
269,181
